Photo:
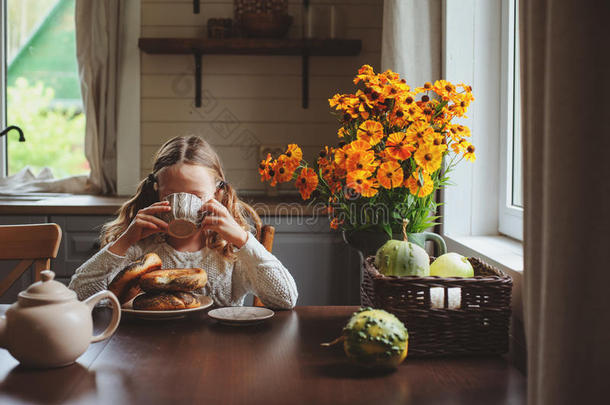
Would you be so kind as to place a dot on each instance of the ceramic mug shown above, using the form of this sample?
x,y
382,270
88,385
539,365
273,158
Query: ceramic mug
x,y
185,216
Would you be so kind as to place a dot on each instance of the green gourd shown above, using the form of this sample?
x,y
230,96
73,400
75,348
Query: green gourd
x,y
374,338
402,258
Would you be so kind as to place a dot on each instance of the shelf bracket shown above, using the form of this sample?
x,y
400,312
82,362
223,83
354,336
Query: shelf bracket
x,y
197,56
196,6
305,78
305,62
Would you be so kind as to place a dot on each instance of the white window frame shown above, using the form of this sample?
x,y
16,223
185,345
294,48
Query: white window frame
x,y
510,217
473,53
128,116
476,50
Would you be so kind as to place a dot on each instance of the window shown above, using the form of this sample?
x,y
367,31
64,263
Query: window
x,y
479,40
510,215
41,88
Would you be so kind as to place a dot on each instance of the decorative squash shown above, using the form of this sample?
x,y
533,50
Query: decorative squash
x,y
374,338
402,258
452,265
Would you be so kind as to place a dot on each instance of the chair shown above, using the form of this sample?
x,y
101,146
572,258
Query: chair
x,y
266,239
33,244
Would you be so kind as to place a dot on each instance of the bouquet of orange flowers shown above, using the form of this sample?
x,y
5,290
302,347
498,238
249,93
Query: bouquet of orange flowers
x,y
393,141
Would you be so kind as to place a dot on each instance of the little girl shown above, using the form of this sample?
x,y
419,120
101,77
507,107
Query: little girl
x,y
235,262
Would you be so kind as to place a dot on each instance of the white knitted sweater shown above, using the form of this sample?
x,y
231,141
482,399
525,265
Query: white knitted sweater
x,y
255,271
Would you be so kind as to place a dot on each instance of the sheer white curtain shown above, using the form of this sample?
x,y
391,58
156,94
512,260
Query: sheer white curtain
x,y
411,39
98,41
566,139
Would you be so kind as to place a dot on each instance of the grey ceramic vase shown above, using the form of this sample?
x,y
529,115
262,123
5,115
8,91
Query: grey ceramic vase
x,y
368,241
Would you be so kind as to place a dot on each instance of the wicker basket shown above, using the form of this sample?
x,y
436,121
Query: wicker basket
x,y
478,327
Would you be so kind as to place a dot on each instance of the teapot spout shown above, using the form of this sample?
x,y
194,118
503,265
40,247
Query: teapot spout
x,y
3,331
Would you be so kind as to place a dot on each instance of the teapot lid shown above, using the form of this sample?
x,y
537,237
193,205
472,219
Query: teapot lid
x,y
48,289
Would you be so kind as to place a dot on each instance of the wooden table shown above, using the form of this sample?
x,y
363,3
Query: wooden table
x,y
280,361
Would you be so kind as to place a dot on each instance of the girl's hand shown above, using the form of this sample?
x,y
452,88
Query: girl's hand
x,y
220,220
144,224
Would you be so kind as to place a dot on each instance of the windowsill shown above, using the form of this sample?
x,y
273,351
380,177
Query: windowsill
x,y
500,251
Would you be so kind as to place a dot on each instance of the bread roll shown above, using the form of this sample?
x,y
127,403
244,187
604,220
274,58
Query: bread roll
x,y
133,291
166,301
122,284
174,280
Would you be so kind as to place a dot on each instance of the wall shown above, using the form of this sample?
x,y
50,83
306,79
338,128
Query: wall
x,y
248,101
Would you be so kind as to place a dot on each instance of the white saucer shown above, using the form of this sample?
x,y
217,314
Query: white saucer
x,y
240,315
161,315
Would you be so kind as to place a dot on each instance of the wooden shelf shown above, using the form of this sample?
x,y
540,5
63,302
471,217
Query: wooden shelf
x,y
249,46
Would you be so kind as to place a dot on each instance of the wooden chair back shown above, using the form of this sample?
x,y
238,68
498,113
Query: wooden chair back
x,y
266,239
33,244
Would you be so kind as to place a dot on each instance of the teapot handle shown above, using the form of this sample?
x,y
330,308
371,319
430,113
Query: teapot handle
x,y
116,313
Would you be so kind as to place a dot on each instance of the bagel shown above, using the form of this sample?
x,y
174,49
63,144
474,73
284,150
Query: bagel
x,y
122,285
173,280
166,301
133,291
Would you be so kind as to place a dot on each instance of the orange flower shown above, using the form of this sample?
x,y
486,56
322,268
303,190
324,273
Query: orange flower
x,y
440,141
469,152
327,173
390,175
364,73
356,177
398,117
342,132
389,91
264,167
369,188
357,146
460,146
341,101
294,155
370,131
363,104
339,171
458,132
384,156
361,183
462,101
407,100
307,182
361,160
420,132
341,156
427,86
444,89
334,224
396,88
428,157
324,157
420,183
272,172
283,169
397,146
414,112
335,187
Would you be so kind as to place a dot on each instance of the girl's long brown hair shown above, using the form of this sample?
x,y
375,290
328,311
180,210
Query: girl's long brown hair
x,y
190,150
